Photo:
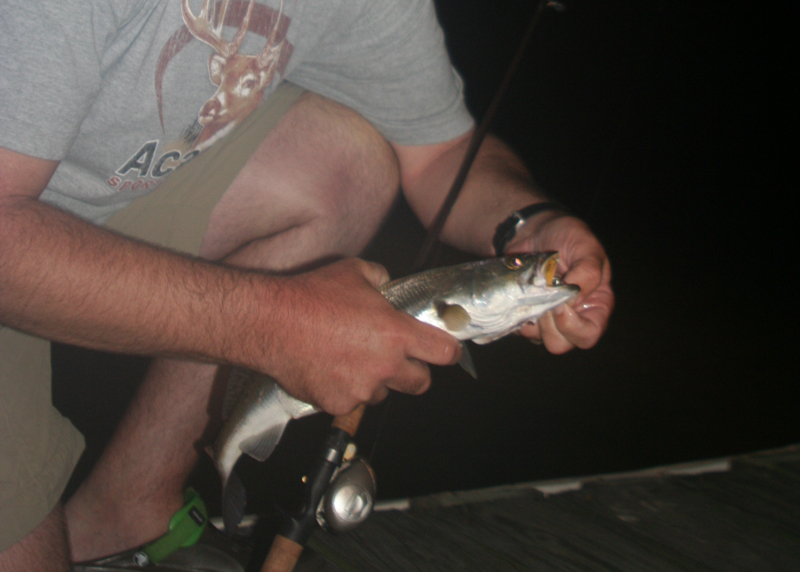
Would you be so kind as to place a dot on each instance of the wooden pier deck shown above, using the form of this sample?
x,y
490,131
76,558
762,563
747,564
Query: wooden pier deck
x,y
738,514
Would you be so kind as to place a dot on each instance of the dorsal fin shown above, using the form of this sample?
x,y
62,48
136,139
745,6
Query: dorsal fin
x,y
239,380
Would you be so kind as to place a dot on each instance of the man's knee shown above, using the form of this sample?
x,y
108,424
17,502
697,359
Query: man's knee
x,y
323,167
357,174
357,153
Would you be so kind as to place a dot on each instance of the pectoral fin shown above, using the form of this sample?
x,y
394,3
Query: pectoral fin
x,y
455,317
261,446
466,361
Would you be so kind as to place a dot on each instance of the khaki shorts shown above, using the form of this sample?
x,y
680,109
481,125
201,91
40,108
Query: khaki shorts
x,y
38,446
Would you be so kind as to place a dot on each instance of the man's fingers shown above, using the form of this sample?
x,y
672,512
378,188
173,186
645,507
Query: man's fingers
x,y
567,327
423,341
553,339
590,274
414,378
375,273
432,345
532,332
380,394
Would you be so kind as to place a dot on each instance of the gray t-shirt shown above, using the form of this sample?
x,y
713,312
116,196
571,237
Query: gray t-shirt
x,y
123,91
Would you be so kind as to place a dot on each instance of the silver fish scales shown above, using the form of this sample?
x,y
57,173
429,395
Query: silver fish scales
x,y
485,300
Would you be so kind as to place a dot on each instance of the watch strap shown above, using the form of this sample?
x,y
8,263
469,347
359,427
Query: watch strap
x,y
507,229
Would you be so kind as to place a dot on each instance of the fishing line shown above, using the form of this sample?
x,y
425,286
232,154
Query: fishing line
x,y
478,136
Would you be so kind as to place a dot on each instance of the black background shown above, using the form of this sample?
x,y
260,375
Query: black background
x,y
664,125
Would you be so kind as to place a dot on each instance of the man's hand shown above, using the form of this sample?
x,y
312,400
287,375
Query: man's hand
x,y
342,344
498,184
582,261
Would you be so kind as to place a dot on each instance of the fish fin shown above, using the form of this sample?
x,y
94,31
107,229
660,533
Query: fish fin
x,y
234,501
454,316
293,406
466,361
261,446
239,381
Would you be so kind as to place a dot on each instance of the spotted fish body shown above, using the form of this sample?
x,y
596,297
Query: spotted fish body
x,y
480,301
485,300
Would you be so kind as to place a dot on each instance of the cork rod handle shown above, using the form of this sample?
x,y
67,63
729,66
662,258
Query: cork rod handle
x,y
349,423
283,555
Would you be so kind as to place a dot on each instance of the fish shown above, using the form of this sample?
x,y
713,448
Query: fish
x,y
255,411
480,301
485,300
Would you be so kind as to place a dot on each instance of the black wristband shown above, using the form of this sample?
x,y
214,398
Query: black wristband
x,y
507,229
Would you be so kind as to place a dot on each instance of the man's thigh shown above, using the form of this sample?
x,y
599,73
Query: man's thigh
x,y
317,188
302,179
38,447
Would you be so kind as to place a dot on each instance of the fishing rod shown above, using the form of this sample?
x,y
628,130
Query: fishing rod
x,y
288,544
297,529
478,136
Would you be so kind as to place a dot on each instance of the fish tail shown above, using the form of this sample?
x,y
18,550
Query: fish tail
x,y
234,500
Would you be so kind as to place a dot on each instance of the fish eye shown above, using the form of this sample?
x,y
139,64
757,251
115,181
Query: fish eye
x,y
514,263
556,281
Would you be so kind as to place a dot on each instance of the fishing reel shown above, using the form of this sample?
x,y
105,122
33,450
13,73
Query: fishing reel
x,y
350,497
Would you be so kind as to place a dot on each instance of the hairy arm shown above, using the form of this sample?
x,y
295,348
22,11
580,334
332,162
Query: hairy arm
x,y
66,280
498,184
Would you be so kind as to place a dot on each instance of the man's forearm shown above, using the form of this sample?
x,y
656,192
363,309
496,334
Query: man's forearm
x,y
498,183
63,279
328,335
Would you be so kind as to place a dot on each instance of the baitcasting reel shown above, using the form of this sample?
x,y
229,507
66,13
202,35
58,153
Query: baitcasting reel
x,y
349,498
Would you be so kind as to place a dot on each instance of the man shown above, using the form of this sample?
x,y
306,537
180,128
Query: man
x,y
101,104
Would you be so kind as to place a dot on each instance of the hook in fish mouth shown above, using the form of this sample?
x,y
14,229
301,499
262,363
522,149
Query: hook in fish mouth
x,y
541,273
549,268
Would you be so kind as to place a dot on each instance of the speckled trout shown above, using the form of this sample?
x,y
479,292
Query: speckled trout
x,y
485,300
480,301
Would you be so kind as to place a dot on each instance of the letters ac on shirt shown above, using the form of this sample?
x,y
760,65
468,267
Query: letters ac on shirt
x,y
240,80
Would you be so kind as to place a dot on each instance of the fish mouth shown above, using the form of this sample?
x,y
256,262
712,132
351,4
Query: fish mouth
x,y
543,273
548,270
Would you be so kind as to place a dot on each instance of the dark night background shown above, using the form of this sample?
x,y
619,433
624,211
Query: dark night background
x,y
663,125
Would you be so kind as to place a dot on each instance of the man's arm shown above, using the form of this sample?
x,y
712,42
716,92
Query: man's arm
x,y
328,336
498,184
